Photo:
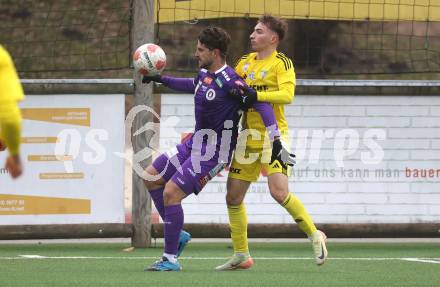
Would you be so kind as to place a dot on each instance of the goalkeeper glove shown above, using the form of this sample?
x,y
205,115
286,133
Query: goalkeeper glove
x,y
246,95
249,97
155,78
282,154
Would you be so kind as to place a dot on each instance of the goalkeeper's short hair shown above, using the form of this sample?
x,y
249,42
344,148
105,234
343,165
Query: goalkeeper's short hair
x,y
278,25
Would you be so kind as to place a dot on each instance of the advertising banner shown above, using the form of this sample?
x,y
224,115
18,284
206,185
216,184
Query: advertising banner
x,y
71,171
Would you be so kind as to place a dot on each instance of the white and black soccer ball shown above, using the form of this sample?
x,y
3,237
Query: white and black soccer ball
x,y
149,59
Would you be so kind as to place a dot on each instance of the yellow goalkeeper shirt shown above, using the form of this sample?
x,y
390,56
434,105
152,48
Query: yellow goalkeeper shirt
x,y
11,92
274,80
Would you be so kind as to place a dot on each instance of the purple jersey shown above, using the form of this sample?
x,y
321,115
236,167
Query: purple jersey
x,y
214,106
216,110
213,103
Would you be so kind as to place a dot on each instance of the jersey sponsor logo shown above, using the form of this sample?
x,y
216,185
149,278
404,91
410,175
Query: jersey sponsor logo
x,y
207,80
219,82
210,95
259,88
235,170
252,75
226,76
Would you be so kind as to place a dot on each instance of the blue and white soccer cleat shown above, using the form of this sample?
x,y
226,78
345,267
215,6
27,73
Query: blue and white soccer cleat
x,y
184,238
164,265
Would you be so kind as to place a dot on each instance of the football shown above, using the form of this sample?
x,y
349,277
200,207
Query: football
x,y
149,59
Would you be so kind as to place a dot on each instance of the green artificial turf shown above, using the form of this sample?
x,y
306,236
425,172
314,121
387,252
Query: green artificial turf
x,y
276,264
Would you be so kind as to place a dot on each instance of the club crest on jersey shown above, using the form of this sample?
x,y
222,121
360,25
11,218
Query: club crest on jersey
x,y
210,95
207,80
263,74
252,75
246,67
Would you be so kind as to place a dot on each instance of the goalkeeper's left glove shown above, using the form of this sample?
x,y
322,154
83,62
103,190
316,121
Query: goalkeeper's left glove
x,y
249,97
246,95
281,153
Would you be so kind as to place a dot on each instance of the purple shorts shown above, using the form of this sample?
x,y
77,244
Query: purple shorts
x,y
190,176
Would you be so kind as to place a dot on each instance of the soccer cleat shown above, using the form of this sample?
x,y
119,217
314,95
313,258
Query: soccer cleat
x,y
184,238
164,265
238,261
319,249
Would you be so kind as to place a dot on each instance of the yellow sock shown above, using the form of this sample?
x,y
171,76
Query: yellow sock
x,y
238,225
296,208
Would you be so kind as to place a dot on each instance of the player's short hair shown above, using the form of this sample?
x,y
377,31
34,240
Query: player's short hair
x,y
215,38
278,25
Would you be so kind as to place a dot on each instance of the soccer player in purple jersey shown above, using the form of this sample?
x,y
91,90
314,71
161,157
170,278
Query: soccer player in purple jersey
x,y
190,165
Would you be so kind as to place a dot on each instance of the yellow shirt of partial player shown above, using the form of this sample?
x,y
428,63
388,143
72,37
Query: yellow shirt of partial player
x,y
10,87
10,93
274,80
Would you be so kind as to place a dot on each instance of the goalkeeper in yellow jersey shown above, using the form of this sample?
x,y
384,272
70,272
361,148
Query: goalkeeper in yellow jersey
x,y
10,117
271,76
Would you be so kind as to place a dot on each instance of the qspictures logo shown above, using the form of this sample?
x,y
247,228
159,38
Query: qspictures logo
x,y
339,146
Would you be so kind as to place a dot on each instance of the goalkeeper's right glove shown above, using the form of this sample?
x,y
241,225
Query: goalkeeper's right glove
x,y
249,97
281,154
155,78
